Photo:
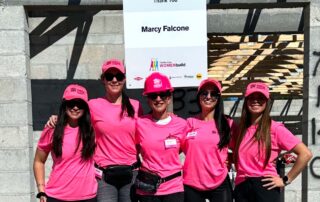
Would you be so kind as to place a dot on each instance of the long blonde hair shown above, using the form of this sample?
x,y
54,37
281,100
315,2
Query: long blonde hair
x,y
262,134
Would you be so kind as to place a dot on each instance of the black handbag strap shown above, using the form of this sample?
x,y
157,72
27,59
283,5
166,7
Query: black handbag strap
x,y
136,165
133,166
97,166
170,177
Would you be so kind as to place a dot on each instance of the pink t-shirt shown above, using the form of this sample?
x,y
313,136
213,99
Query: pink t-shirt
x,y
205,164
71,177
157,157
250,162
114,134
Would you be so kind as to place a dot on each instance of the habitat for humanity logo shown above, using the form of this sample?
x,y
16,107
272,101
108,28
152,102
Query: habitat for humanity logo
x,y
154,66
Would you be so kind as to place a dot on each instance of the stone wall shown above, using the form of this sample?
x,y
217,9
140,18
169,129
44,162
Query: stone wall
x,y
16,134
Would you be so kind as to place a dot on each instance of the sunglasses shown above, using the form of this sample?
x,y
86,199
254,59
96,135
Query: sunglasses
x,y
79,103
109,76
213,94
162,95
257,97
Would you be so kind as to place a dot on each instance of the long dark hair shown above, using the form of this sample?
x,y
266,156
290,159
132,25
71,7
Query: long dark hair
x,y
126,105
86,134
221,122
262,134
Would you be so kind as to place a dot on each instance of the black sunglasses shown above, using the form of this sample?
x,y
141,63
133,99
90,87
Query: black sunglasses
x,y
162,95
213,94
109,76
79,103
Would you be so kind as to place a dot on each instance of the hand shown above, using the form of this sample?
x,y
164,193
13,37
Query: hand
x,y
52,122
43,199
272,182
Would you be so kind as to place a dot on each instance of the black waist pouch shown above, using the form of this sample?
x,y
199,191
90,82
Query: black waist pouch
x,y
118,175
147,182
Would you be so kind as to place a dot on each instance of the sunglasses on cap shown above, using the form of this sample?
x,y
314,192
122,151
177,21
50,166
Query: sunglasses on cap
x,y
109,76
213,94
162,95
76,102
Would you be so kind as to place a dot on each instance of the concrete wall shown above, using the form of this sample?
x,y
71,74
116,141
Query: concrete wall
x,y
312,83
69,46
16,135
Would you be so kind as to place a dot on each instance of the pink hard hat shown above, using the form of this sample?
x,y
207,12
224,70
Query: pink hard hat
x,y
157,82
257,87
75,91
113,63
211,82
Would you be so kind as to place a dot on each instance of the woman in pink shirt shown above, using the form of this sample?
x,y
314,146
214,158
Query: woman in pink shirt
x,y
71,144
205,172
113,119
258,144
159,136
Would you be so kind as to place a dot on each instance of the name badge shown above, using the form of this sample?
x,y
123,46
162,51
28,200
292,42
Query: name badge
x,y
98,173
191,135
170,143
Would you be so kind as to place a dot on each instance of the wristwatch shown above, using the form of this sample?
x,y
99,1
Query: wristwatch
x,y
285,180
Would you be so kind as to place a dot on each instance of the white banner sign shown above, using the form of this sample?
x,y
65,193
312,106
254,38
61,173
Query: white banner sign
x,y
169,36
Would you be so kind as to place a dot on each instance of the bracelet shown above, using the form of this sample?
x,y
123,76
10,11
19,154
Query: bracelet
x,y
41,194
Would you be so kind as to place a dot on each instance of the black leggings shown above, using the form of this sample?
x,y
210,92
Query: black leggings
x,y
252,190
223,193
50,199
176,197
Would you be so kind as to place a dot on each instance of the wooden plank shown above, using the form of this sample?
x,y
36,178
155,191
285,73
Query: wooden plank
x,y
260,62
299,86
255,38
265,52
254,45
253,65
255,74
264,58
247,74
274,59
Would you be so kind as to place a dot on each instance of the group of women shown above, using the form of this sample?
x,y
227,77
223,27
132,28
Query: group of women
x,y
96,146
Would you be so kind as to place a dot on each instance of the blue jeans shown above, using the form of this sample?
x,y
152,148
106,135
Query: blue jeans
x,y
110,193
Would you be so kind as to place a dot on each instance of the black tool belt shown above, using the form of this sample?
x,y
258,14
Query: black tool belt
x,y
150,182
119,175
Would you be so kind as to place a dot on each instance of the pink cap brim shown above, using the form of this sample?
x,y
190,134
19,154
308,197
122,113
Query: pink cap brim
x,y
257,91
210,82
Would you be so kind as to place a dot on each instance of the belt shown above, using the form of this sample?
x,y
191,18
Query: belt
x,y
170,177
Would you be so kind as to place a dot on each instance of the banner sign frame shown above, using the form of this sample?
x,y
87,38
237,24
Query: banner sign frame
x,y
169,36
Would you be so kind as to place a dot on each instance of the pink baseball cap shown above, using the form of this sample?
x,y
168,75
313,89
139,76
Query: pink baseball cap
x,y
113,63
157,82
75,91
257,87
211,82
